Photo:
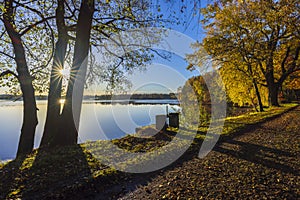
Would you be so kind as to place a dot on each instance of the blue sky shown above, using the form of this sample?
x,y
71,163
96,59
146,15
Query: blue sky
x,y
190,27
160,70
164,76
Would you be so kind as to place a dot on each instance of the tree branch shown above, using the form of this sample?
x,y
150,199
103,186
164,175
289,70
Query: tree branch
x,y
8,72
35,24
2,33
262,68
29,8
293,67
6,54
284,60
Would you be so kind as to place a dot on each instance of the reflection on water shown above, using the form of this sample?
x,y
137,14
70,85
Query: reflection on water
x,y
98,121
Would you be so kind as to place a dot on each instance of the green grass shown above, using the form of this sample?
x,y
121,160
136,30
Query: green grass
x,y
69,168
236,123
233,124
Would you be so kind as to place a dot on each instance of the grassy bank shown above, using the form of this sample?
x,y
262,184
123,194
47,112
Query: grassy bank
x,y
233,124
61,172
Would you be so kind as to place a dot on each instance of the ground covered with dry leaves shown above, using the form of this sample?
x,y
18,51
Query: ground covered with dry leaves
x,y
260,163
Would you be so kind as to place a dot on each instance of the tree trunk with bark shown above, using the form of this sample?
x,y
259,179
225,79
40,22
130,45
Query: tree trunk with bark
x,y
269,73
254,82
30,120
261,108
273,89
72,108
273,95
55,89
62,128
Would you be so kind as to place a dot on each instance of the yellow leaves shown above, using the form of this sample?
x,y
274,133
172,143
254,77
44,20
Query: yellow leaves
x,y
293,82
15,192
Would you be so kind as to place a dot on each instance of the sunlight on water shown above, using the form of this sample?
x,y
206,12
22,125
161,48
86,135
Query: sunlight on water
x,y
98,121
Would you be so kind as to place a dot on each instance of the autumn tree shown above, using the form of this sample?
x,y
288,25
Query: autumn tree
x,y
263,33
240,88
291,87
197,87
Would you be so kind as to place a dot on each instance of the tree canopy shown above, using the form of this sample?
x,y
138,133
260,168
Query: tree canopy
x,y
260,38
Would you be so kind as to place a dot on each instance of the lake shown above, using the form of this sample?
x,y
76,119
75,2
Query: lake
x,y
98,121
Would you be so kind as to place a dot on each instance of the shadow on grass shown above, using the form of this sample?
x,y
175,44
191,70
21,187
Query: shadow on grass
x,y
45,174
9,175
128,182
257,154
55,171
269,157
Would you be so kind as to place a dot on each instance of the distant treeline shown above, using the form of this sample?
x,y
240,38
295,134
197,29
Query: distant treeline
x,y
136,96
105,96
18,97
7,96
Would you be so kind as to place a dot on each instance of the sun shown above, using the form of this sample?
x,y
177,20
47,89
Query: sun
x,y
62,101
64,72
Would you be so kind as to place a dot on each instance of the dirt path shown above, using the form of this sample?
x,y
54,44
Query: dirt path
x,y
263,163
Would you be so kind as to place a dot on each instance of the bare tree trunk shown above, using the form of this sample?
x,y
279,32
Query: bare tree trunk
x,y
30,120
68,133
55,89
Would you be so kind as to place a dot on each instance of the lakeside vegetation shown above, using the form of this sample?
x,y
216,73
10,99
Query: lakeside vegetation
x,y
74,168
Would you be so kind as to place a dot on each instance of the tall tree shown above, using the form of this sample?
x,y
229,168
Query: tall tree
x,y
60,128
23,23
72,107
55,88
240,64
100,29
241,88
260,30
30,120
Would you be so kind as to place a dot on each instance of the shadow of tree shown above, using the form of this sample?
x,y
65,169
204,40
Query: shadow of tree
x,y
269,157
116,185
56,170
260,155
45,174
9,175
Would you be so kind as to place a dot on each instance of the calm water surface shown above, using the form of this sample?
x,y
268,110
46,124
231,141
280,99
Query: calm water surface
x,y
98,121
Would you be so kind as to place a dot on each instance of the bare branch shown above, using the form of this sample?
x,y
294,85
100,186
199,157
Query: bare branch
x,y
71,27
30,53
71,37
